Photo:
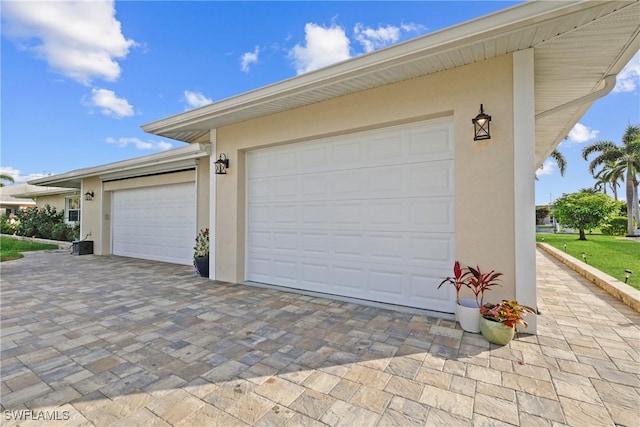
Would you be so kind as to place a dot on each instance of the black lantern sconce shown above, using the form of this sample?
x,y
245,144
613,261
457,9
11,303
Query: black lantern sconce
x,y
222,164
481,126
88,196
627,274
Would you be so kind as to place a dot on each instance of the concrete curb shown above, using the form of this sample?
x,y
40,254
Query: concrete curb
x,y
625,293
61,244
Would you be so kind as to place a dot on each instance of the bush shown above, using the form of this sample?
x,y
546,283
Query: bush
x,y
615,226
7,225
46,223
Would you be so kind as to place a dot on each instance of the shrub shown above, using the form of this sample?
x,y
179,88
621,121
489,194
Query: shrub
x,y
7,224
46,223
615,226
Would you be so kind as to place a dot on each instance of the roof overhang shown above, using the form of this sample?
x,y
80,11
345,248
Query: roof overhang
x,y
163,162
46,191
577,44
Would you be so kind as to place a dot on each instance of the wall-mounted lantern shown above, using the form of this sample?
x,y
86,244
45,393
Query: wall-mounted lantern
x,y
222,164
481,126
88,196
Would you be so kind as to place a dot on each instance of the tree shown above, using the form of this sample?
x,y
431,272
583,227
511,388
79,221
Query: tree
x,y
609,176
541,213
583,210
623,159
561,161
5,177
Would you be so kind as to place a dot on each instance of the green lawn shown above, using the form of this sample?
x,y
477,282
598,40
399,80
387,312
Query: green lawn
x,y
610,254
11,248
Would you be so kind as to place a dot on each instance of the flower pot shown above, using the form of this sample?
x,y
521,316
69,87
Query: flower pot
x,y
468,315
202,265
496,332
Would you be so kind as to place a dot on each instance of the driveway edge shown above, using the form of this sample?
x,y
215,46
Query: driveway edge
x,y
625,293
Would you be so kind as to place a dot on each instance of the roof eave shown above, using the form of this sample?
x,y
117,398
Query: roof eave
x,y
72,178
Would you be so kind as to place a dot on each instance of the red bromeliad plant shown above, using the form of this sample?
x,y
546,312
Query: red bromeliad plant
x,y
480,282
458,280
509,313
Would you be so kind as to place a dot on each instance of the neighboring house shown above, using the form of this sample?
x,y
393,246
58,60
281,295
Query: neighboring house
x,y
9,200
363,179
63,199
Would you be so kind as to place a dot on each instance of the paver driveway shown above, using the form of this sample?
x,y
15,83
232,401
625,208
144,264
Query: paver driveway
x,y
113,341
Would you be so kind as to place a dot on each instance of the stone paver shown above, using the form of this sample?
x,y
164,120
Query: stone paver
x,y
110,341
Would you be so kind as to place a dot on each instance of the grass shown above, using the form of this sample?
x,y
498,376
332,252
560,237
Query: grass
x,y
610,254
12,248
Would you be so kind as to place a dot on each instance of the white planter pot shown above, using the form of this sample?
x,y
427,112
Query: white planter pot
x,y
468,315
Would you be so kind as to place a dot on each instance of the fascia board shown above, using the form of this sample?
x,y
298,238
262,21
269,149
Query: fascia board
x,y
189,152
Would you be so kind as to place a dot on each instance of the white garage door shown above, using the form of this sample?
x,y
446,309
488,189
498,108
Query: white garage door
x,y
368,215
157,223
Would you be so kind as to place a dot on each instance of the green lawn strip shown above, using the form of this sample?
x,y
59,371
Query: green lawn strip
x,y
12,248
610,254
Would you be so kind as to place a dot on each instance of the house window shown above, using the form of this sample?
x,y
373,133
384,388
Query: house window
x,y
72,208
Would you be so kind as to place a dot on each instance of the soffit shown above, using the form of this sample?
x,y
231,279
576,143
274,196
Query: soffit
x,y
576,45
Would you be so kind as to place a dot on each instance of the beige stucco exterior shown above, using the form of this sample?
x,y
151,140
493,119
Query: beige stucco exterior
x,y
483,172
54,200
96,213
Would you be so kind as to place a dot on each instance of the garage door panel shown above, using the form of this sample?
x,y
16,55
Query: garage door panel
x,y
433,144
367,215
156,223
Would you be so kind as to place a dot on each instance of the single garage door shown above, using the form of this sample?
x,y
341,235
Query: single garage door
x,y
367,215
157,223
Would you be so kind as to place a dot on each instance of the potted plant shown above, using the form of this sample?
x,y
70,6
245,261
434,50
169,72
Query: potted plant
x,y
498,321
467,310
480,282
201,253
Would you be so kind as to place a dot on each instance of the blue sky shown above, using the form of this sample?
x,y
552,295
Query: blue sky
x,y
80,78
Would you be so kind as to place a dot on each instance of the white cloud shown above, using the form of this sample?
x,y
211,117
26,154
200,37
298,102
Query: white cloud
x,y
372,39
547,168
195,99
140,144
629,77
324,46
17,175
581,133
249,58
110,104
413,28
79,39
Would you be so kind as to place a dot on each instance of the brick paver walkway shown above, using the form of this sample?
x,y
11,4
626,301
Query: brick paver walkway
x,y
112,341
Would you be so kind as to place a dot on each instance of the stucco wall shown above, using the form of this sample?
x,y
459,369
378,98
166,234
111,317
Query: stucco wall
x,y
484,169
54,200
91,213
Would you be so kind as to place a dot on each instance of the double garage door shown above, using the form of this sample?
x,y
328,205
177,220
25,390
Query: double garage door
x,y
368,215
156,223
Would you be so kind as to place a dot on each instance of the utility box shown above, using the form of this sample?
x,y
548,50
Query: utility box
x,y
83,247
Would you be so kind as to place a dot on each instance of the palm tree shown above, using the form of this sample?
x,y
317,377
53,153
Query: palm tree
x,y
561,161
609,176
5,177
625,159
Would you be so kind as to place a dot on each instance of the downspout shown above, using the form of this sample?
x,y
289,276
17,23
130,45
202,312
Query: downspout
x,y
609,84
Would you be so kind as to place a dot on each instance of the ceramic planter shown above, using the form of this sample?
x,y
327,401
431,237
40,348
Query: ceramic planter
x,y
202,266
468,315
496,332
